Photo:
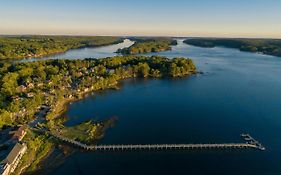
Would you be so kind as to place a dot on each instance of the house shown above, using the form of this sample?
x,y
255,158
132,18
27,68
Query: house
x,y
19,134
110,71
30,85
16,98
40,84
68,96
79,74
22,88
49,82
9,164
86,89
30,95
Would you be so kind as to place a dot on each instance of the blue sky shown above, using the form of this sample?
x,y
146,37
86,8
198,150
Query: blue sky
x,y
224,18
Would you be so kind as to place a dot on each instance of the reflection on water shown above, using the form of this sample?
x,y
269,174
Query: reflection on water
x,y
239,92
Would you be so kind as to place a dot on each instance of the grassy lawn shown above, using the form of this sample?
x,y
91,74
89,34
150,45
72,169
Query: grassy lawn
x,y
87,132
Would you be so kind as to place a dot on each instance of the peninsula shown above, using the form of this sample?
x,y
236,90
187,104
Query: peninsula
x,y
35,94
264,46
18,47
148,45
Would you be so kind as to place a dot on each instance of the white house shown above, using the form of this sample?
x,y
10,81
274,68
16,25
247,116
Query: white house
x,y
8,165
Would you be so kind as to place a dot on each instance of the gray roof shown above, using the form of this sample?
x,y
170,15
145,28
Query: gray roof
x,y
14,153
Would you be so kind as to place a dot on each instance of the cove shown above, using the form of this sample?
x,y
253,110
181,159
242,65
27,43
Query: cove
x,y
238,92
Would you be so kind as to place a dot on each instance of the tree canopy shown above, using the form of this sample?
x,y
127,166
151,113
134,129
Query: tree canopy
x,y
265,46
17,47
147,45
27,86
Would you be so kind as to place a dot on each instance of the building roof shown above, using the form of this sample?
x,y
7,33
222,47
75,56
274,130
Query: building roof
x,y
22,128
14,153
19,133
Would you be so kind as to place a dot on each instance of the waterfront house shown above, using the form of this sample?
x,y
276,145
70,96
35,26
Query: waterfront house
x,y
20,133
9,164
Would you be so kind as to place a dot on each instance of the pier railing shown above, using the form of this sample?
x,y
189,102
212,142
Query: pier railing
x,y
250,143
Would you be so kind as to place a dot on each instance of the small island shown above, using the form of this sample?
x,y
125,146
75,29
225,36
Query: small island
x,y
148,45
264,46
35,94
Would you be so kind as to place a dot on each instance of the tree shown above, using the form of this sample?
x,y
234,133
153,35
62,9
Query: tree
x,y
25,72
173,70
5,118
143,69
9,84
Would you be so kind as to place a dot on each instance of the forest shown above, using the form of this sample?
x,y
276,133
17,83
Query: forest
x,y
264,46
18,47
27,86
148,45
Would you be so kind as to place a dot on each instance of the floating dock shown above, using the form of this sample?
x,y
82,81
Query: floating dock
x,y
250,140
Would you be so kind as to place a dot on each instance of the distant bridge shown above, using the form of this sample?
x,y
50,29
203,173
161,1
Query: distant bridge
x,y
250,143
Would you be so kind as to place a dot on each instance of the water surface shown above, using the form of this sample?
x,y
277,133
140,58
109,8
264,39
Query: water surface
x,y
239,92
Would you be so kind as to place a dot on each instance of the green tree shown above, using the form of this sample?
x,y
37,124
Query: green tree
x,y
143,70
9,84
5,118
173,70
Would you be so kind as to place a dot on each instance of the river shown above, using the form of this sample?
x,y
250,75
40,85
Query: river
x,y
238,92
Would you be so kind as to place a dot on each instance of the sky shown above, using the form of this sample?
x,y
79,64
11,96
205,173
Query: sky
x,y
212,18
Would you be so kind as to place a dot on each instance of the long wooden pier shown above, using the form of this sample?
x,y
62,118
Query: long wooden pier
x,y
250,144
171,146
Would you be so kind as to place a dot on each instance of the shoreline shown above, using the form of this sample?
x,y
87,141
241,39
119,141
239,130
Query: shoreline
x,y
84,95
243,45
39,57
62,52
94,76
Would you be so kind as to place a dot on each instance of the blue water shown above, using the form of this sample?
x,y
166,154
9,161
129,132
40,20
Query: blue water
x,y
238,92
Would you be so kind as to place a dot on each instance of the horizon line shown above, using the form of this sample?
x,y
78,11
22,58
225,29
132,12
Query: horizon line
x,y
170,36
